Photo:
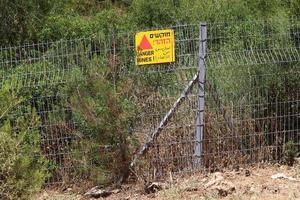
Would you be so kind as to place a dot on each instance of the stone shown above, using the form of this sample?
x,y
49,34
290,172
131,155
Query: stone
x,y
116,191
222,186
217,177
97,192
282,176
153,187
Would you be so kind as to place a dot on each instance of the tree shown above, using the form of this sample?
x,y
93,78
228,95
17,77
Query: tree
x,y
20,20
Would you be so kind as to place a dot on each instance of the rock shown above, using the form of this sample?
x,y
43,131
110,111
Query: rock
x,y
97,192
282,176
116,191
222,186
217,177
153,187
253,190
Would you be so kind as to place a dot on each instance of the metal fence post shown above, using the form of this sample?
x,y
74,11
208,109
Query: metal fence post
x,y
201,80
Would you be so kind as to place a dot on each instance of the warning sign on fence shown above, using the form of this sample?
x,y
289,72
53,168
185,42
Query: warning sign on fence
x,y
155,47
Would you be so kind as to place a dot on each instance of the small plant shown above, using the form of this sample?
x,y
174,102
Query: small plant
x,y
290,152
23,168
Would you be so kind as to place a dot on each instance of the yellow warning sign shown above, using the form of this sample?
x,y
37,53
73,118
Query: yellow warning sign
x,y
155,47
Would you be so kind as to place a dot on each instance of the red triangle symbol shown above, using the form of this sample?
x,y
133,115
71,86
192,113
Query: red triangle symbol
x,y
145,44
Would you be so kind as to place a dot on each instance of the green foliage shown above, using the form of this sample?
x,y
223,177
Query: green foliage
x,y
104,118
73,26
21,19
54,19
293,7
154,13
22,165
290,152
65,26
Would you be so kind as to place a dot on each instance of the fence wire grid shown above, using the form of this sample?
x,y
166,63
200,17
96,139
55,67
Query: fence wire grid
x,y
252,99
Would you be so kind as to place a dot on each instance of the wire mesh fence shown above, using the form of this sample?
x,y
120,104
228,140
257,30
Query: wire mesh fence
x,y
96,108
257,79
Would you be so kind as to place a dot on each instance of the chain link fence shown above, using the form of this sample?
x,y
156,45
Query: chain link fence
x,y
96,108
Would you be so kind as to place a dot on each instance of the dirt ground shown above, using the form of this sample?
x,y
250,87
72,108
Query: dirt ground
x,y
264,182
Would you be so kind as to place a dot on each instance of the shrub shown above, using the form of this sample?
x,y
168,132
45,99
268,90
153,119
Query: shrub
x,y
103,117
22,165
290,152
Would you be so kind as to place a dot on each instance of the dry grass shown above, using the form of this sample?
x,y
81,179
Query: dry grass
x,y
257,186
